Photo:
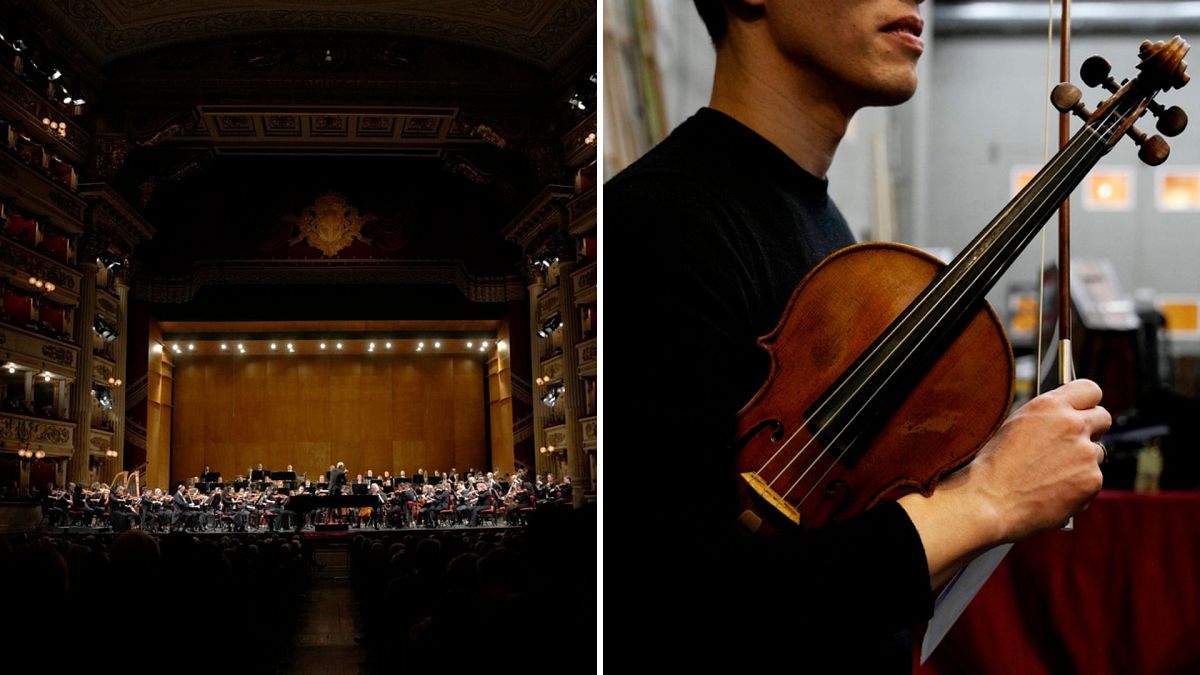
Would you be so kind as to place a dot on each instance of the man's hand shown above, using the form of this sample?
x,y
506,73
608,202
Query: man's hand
x,y
1041,467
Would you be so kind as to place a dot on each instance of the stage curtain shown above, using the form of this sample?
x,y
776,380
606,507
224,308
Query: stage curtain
x,y
1119,595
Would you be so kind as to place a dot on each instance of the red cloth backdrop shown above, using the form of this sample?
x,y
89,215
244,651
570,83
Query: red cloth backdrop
x,y
1119,595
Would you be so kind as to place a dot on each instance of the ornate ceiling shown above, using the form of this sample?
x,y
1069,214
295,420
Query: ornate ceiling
x,y
541,32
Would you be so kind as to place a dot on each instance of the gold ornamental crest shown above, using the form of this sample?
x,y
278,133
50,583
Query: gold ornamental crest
x,y
330,225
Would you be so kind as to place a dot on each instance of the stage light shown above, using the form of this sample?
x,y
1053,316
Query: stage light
x,y
339,345
470,345
437,345
191,347
224,346
274,346
108,260
55,75
322,345
550,325
67,99
387,345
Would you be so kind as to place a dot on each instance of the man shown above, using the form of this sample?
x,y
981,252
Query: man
x,y
734,204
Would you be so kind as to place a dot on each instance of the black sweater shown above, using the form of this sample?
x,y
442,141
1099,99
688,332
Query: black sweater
x,y
706,237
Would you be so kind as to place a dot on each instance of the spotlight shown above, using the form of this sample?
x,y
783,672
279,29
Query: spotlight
x,y
108,260
55,75
550,325
552,395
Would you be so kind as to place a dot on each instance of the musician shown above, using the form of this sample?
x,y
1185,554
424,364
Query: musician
x,y
401,508
337,475
378,511
736,202
484,496
186,512
121,513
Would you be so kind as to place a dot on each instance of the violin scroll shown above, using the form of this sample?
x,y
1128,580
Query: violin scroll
x,y
1162,67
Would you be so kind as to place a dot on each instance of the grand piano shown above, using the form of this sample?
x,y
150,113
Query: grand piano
x,y
302,504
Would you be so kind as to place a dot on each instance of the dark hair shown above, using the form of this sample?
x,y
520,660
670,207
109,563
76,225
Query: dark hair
x,y
713,14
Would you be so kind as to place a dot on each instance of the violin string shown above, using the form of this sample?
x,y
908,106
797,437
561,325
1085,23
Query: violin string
x,y
816,413
1111,121
1067,165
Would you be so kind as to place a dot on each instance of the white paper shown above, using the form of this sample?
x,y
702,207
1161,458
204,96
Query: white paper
x,y
957,594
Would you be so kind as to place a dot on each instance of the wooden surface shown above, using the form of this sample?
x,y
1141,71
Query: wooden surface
x,y
369,411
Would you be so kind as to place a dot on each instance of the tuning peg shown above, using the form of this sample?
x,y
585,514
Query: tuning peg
x,y
1171,121
1096,71
1153,149
1066,97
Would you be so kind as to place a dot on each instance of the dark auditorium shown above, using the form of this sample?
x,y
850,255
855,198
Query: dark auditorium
x,y
298,336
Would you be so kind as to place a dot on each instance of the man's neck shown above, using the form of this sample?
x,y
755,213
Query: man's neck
x,y
797,111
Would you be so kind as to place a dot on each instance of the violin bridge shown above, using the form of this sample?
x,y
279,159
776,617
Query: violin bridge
x,y
763,490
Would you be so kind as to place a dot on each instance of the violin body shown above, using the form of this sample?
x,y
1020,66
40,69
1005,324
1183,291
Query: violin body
x,y
946,415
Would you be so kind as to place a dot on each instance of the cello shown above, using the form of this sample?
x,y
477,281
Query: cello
x,y
907,380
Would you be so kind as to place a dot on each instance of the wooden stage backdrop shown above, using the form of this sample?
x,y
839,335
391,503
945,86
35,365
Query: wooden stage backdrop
x,y
370,411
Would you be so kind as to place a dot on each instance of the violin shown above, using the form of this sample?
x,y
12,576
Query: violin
x,y
890,370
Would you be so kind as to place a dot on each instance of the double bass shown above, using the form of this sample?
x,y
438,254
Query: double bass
x,y
888,369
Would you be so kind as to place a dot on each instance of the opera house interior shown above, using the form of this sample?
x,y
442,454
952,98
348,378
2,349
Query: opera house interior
x,y
298,336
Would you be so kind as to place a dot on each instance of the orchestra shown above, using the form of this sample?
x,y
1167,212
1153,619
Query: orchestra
x,y
428,500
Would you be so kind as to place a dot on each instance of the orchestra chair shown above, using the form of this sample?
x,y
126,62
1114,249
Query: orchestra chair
x,y
448,511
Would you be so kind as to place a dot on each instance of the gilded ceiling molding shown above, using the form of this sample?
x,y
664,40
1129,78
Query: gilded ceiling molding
x,y
299,272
